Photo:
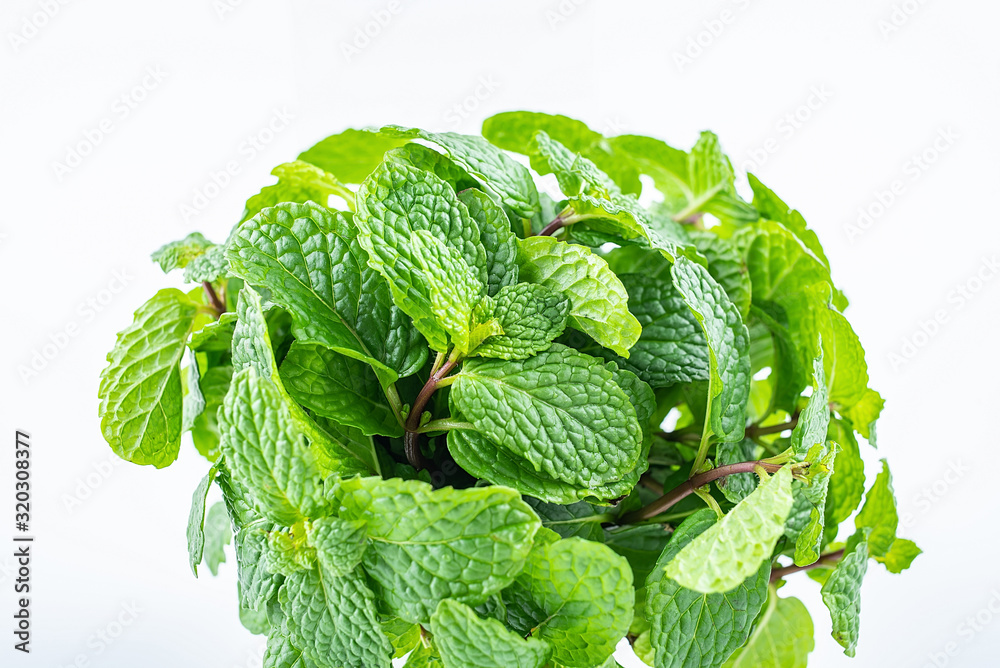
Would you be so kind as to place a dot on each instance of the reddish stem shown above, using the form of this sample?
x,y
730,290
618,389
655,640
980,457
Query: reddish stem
x,y
782,573
213,298
411,440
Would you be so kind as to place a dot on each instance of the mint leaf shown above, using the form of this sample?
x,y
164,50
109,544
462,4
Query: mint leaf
x,y
712,184
599,302
779,264
424,657
730,551
218,534
879,514
530,316
351,155
814,420
177,254
311,261
339,543
280,653
577,596
498,240
493,168
783,636
847,488
726,265
429,160
900,556
428,545
728,347
591,436
209,267
333,619
464,640
196,522
807,518
338,387
770,206
842,596
140,392
739,486
297,182
689,628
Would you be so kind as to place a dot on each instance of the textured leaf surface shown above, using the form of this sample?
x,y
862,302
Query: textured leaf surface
x,y
740,486
782,637
689,628
730,551
141,402
218,534
561,410
772,207
196,522
339,543
879,514
531,317
430,545
726,266
281,653
339,387
808,514
334,621
496,236
297,182
847,488
465,640
579,597
728,344
599,302
310,260
177,254
900,555
352,154
842,596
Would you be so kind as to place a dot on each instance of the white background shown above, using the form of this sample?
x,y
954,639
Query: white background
x,y
828,108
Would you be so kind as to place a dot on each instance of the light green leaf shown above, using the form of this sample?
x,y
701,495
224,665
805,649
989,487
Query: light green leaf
x,y
561,410
779,264
900,556
339,543
338,387
194,400
531,317
711,180
299,182
728,346
464,640
280,652
210,266
771,207
141,403
352,154
864,413
575,173
879,514
428,545
842,596
267,452
814,421
310,260
177,254
429,160
404,636
493,168
578,596
599,302
730,551
497,238
484,459
452,288
808,515
424,657
689,628
667,166
782,637
218,534
847,488
726,265
671,348
333,619
196,522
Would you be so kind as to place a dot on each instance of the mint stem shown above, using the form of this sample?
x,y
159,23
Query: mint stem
x,y
754,430
553,227
411,440
217,304
826,559
687,488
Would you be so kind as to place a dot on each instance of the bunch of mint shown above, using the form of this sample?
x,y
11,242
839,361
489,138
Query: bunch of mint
x,y
456,418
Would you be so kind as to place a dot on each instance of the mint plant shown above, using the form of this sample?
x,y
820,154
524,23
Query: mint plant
x,y
459,419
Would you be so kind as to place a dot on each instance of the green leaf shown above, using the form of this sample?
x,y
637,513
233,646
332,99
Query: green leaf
x,y
177,254
711,179
730,551
779,264
782,637
865,412
333,619
689,628
561,410
667,166
641,545
638,391
352,154
194,402
338,387
428,545
424,657
464,640
808,514
452,288
728,347
770,206
573,519
267,452
429,160
403,635
599,302
814,421
339,543
842,596
739,486
484,459
879,514
496,236
218,534
493,168
671,348
140,392
847,488
578,596
196,522
209,267
299,182
726,265
310,260
900,556
531,317
280,652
